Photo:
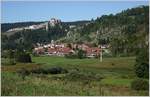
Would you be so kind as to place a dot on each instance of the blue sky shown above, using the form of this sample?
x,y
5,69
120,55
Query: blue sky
x,y
20,11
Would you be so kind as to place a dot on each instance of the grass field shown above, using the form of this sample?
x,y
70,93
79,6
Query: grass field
x,y
117,74
109,67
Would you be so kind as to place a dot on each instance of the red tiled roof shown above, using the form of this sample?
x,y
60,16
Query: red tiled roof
x,y
40,50
66,50
61,50
51,50
93,50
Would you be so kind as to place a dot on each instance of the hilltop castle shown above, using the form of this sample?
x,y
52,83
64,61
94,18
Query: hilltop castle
x,y
52,23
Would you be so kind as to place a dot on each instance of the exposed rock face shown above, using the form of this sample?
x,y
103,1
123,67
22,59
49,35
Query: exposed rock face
x,y
45,25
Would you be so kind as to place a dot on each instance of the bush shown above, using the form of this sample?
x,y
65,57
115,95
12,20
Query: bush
x,y
77,75
107,55
74,75
81,54
39,71
8,62
53,70
23,57
8,57
10,54
56,70
140,84
11,62
7,54
112,64
142,64
23,73
64,71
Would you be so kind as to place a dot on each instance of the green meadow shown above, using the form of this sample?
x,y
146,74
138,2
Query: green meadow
x,y
116,73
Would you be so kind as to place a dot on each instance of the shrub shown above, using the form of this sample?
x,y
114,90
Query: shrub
x,y
10,54
53,70
64,71
23,57
81,54
99,76
8,57
39,71
23,73
112,64
74,75
8,62
140,84
142,64
4,54
56,70
107,55
11,62
77,75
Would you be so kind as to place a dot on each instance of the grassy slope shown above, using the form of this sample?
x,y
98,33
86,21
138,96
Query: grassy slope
x,y
116,80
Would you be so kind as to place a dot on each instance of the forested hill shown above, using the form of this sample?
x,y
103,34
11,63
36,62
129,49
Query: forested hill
x,y
124,32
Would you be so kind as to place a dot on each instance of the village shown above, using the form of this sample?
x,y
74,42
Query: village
x,y
62,49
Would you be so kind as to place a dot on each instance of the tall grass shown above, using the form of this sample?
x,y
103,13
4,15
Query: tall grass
x,y
116,82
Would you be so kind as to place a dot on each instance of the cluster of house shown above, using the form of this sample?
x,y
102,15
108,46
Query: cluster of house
x,y
63,49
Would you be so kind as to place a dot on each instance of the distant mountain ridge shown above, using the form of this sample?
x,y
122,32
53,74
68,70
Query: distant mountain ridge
x,y
7,26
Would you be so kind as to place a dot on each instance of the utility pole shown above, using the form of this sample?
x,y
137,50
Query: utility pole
x,y
98,37
101,54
